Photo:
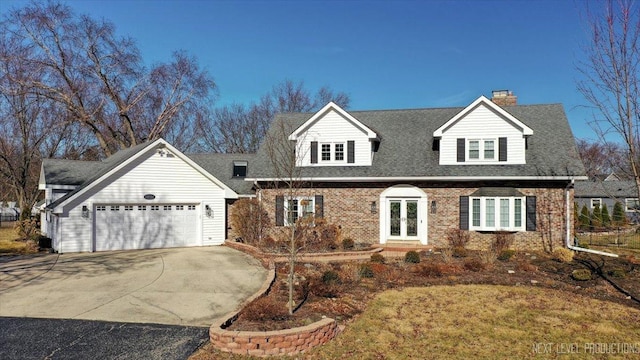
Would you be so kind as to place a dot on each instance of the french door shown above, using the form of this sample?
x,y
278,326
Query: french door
x,y
402,215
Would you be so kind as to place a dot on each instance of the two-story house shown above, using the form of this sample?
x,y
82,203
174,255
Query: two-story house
x,y
387,176
412,175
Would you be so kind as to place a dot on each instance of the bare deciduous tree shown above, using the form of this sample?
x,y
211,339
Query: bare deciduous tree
x,y
289,176
602,158
611,82
239,128
100,79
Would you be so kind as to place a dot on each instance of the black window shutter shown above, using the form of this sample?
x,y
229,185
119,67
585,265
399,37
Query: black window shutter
x,y
531,213
351,151
314,152
279,210
461,154
502,149
319,205
464,213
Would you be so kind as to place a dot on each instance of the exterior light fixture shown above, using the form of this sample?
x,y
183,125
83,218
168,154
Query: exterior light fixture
x,y
433,206
85,211
208,211
374,207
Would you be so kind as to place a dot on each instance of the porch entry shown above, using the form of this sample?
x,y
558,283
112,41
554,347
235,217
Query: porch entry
x,y
403,214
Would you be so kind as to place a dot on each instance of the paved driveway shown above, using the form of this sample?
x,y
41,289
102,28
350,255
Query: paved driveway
x,y
185,286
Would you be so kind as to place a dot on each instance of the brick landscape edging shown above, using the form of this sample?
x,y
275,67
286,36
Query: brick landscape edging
x,y
265,343
278,342
327,256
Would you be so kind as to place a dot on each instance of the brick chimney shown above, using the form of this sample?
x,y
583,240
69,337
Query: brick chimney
x,y
504,98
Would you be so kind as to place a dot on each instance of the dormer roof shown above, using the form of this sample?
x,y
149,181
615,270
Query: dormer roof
x,y
331,106
482,100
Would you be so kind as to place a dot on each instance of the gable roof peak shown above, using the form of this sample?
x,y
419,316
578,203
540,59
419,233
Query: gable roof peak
x,y
483,100
325,109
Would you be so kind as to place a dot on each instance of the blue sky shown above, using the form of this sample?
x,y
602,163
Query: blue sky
x,y
384,54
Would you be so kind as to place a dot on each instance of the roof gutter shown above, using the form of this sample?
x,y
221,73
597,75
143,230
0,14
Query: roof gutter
x,y
425,178
568,227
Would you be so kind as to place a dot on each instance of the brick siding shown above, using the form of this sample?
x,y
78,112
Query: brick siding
x,y
351,209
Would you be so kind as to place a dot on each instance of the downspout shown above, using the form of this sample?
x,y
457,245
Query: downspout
x,y
568,226
255,184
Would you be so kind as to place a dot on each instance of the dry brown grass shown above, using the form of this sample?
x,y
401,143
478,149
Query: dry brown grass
x,y
477,322
9,245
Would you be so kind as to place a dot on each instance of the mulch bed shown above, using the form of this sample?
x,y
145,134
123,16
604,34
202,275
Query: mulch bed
x,y
345,293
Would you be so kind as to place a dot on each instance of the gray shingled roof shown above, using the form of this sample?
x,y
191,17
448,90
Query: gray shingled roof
x,y
407,138
69,172
221,166
602,189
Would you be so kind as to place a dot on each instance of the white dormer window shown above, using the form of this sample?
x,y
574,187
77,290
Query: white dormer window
x,y
339,152
482,149
326,152
332,152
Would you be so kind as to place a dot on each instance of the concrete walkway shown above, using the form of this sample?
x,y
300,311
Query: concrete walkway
x,y
185,286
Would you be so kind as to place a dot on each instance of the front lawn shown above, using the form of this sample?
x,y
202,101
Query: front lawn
x,y
484,322
480,322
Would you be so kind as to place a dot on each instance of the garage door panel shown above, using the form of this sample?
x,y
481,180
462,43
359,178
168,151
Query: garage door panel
x,y
128,227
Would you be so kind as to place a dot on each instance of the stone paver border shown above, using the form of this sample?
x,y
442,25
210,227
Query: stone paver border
x,y
279,342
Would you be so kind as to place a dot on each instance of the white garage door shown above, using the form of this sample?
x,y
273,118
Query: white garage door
x,y
125,227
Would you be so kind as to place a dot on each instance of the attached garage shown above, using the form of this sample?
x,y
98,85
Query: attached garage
x,y
141,226
148,196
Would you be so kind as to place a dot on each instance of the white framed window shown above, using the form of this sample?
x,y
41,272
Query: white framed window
x,y
191,207
142,207
115,208
481,149
298,208
179,207
497,213
128,207
596,202
339,152
332,152
325,152
101,208
155,207
631,204
166,207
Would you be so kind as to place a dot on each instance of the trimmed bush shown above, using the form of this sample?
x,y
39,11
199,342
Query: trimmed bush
x,y
619,217
330,277
458,238
585,218
365,271
581,274
377,258
503,241
249,220
563,255
617,273
348,244
474,265
459,252
506,254
412,257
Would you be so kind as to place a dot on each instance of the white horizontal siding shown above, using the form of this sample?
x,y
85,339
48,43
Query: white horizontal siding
x,y
169,179
482,123
332,128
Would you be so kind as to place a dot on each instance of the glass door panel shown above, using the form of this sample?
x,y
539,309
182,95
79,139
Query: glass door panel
x,y
394,218
412,218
